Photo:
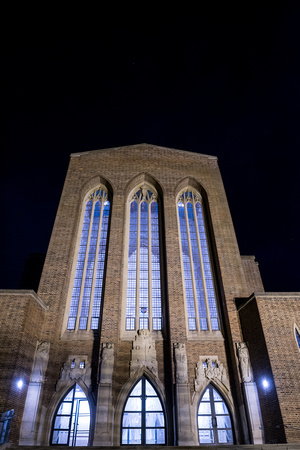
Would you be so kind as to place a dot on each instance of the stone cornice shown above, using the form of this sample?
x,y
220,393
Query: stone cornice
x,y
23,292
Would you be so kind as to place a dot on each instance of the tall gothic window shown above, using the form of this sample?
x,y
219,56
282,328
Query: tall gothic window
x,y
143,302
87,289
199,289
143,420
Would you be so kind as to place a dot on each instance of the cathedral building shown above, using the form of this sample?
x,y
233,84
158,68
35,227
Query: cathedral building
x,y
148,327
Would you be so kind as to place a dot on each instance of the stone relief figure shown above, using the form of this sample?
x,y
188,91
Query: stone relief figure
x,y
40,361
223,375
244,362
207,369
180,363
107,362
143,352
77,367
200,379
210,370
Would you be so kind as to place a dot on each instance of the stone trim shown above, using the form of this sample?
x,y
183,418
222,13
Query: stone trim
x,y
21,292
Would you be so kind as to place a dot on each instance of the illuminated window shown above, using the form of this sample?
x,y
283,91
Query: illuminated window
x,y
214,423
143,302
71,423
199,289
143,420
297,335
87,289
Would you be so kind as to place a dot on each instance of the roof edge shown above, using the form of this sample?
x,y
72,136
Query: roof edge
x,y
78,154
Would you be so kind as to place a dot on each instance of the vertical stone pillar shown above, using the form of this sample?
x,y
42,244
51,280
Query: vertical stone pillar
x,y
30,420
184,424
250,395
105,411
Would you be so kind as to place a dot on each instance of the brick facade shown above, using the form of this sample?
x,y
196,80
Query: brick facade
x,y
168,171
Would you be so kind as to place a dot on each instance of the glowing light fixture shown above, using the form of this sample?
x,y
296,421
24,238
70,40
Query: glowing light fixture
x,y
265,383
20,384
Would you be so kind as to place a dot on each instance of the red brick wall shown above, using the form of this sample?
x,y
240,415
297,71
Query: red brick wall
x,y
255,339
279,312
21,322
252,274
268,326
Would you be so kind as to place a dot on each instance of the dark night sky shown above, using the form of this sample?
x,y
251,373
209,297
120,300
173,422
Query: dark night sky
x,y
221,82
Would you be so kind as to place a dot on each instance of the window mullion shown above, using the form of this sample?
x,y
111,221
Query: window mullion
x,y
191,266
138,245
213,414
202,269
143,411
95,265
85,266
150,318
72,407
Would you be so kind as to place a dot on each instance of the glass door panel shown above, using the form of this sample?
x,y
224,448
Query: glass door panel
x,y
214,422
71,424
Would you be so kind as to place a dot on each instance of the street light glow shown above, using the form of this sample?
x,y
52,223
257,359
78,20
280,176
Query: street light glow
x,y
265,383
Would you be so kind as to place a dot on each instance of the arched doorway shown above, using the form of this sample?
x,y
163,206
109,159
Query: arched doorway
x,y
214,422
143,419
71,423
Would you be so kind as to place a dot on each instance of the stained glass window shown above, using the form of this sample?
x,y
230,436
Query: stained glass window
x,y
143,420
143,303
214,423
199,289
87,288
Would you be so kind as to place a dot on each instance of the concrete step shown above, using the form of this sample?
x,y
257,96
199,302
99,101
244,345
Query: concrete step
x,y
291,446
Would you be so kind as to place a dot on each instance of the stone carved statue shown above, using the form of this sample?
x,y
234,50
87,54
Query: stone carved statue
x,y
143,352
180,363
40,361
244,362
107,362
77,367
210,370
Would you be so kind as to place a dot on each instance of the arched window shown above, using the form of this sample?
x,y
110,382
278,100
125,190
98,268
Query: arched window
x,y
297,335
71,423
87,289
214,423
143,302
143,420
199,287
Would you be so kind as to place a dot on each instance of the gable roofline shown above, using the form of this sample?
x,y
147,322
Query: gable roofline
x,y
142,145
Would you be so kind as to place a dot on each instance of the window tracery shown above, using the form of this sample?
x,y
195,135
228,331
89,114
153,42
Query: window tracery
x,y
214,422
143,300
143,420
200,296
88,281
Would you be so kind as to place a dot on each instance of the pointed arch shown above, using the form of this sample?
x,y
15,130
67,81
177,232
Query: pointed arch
x,y
88,273
72,418
142,280
143,420
196,257
124,393
214,419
